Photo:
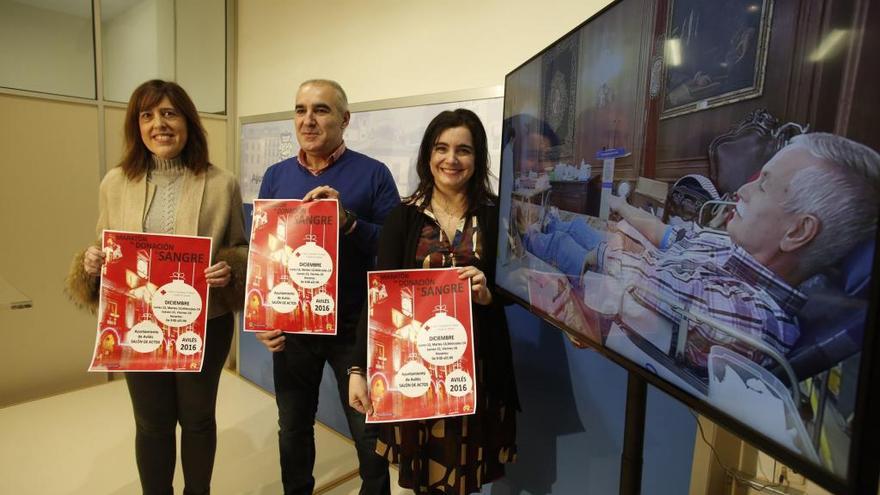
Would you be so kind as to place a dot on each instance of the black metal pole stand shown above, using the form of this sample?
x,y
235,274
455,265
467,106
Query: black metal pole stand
x,y
633,436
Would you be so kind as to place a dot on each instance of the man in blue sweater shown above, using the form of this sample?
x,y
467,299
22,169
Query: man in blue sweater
x,y
366,192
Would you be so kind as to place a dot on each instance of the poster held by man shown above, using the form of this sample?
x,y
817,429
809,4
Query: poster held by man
x,y
292,267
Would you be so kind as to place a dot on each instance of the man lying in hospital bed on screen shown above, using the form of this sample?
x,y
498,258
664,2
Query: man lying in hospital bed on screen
x,y
812,203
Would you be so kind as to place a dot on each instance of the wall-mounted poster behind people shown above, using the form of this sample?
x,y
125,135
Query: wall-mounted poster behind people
x,y
715,53
390,133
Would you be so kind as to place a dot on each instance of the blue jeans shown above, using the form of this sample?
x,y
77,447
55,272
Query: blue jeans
x,y
297,372
565,245
580,232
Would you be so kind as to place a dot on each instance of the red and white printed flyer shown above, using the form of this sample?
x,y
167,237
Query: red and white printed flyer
x,y
292,271
153,303
420,352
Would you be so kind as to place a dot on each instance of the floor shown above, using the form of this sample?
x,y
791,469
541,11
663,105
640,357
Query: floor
x,y
82,442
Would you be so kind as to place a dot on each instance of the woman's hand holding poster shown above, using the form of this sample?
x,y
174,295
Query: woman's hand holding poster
x,y
420,352
153,303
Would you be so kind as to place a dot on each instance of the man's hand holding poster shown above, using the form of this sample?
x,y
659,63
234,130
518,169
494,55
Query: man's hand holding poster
x,y
420,352
153,303
292,270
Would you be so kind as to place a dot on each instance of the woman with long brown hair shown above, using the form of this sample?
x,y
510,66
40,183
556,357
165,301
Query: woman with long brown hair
x,y
165,184
451,220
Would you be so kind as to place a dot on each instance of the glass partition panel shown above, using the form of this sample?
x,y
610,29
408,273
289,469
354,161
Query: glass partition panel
x,y
138,44
47,46
165,39
201,52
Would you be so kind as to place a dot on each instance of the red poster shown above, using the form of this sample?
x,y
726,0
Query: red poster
x,y
153,303
421,350
292,272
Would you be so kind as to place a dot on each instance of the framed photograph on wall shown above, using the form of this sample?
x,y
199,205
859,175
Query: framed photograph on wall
x,y
715,53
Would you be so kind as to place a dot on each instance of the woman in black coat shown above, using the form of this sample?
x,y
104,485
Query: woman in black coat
x,y
451,221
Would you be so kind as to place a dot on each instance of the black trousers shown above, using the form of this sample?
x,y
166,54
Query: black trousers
x,y
161,400
297,372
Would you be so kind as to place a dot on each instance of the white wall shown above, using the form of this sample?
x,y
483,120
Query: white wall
x,y
47,51
390,48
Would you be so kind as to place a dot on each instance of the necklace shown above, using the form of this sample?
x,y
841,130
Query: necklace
x,y
449,225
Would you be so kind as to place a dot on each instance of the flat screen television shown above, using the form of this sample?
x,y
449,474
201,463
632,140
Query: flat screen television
x,y
691,187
